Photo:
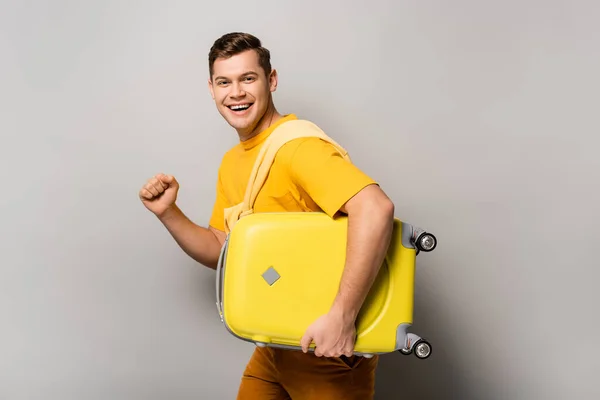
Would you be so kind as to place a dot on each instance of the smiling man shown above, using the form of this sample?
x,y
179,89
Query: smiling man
x,y
307,175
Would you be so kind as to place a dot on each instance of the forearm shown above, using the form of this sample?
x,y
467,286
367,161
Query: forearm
x,y
369,232
198,242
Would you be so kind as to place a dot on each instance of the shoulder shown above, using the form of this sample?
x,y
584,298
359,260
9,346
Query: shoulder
x,y
307,148
315,143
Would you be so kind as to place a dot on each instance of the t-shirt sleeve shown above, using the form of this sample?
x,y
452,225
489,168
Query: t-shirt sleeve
x,y
320,170
217,219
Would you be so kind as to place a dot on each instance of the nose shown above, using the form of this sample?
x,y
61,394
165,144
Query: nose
x,y
237,90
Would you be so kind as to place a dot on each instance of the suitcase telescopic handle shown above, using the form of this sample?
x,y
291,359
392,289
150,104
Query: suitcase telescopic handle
x,y
218,278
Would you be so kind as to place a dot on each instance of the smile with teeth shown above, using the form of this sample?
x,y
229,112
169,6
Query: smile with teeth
x,y
240,107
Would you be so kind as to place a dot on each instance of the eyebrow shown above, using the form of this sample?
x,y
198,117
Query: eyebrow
x,y
243,75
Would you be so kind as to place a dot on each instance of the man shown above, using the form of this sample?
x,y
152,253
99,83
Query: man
x,y
307,175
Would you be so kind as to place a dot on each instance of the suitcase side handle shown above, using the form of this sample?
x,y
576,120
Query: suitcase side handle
x,y
218,278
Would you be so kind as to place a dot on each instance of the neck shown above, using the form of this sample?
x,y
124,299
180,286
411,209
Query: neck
x,y
270,116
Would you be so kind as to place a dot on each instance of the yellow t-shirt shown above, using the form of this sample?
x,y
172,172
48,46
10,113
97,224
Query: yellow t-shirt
x,y
308,174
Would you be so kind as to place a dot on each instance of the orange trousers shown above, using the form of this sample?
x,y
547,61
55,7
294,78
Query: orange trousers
x,y
276,374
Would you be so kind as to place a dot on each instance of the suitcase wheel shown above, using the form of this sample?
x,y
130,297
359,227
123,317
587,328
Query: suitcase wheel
x,y
405,352
421,348
426,242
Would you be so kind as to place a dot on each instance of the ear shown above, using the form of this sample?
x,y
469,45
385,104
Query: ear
x,y
210,88
273,80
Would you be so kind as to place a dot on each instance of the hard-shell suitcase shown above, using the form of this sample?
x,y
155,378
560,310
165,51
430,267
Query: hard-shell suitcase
x,y
278,272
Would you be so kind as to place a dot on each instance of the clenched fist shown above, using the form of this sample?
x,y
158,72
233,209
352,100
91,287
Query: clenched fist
x,y
159,193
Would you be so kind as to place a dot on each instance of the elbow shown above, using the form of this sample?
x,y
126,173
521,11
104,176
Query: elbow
x,y
389,209
386,209
384,204
212,261
212,264
214,246
205,260
372,201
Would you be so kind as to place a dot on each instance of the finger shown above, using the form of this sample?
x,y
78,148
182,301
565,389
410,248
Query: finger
x,y
158,185
348,349
306,341
166,179
160,180
146,194
318,352
150,187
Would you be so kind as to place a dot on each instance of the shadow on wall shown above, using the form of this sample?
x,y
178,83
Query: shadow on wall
x,y
407,377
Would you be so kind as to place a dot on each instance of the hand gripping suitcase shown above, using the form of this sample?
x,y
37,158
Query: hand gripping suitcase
x,y
278,272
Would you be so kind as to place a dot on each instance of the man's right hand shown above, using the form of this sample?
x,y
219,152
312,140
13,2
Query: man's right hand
x,y
159,193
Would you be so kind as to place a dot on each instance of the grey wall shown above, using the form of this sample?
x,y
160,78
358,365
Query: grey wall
x,y
478,118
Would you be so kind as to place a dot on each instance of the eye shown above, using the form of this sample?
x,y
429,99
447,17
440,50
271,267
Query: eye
x,y
249,79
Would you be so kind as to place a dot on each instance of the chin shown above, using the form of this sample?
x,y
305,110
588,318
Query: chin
x,y
240,126
240,122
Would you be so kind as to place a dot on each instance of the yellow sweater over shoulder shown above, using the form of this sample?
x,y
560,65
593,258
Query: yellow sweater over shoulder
x,y
308,174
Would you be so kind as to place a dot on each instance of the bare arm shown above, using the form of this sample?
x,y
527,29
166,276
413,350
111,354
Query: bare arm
x,y
201,244
370,224
159,194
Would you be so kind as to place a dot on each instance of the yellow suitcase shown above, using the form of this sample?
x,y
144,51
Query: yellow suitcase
x,y
278,272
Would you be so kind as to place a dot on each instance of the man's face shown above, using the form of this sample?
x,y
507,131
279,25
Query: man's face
x,y
241,90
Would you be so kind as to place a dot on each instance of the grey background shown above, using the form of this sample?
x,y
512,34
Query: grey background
x,y
479,118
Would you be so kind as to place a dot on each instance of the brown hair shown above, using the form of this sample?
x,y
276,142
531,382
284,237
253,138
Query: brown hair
x,y
235,43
